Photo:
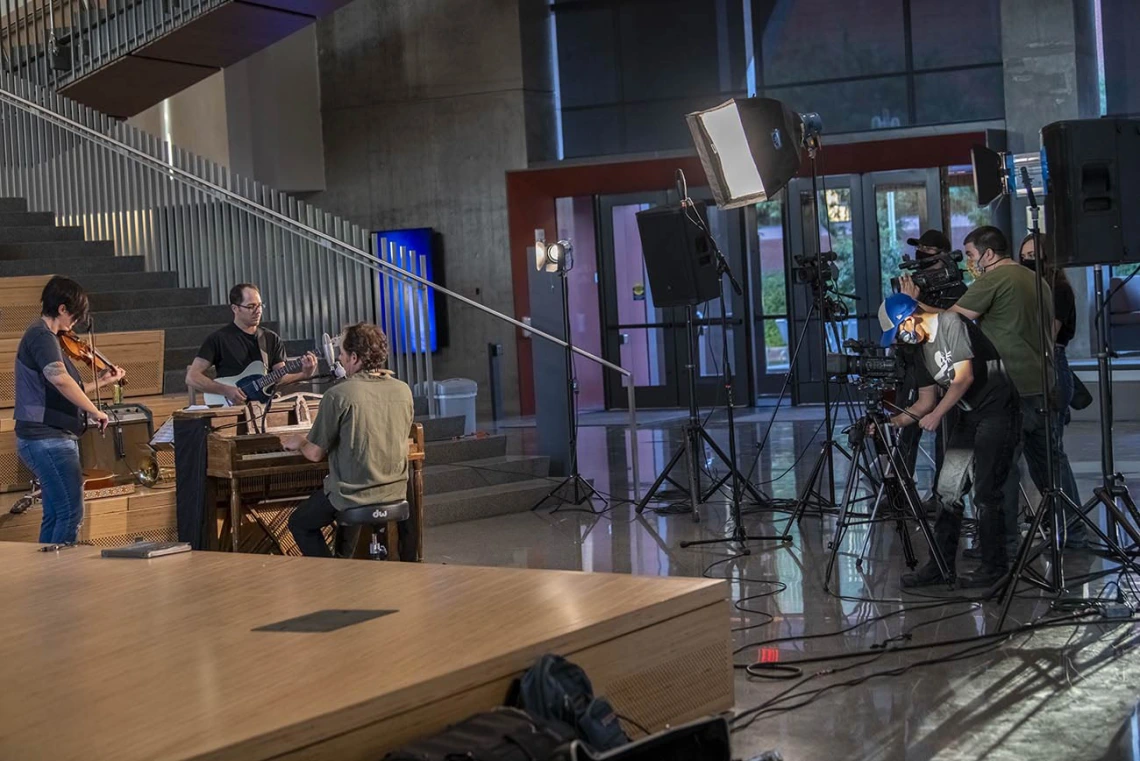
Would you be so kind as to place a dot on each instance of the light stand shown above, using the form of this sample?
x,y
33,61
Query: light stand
x,y
572,490
739,534
1053,500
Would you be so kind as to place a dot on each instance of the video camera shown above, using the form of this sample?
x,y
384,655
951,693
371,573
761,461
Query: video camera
x,y
866,361
930,278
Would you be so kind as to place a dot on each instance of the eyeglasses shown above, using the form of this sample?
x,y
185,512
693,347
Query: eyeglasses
x,y
251,307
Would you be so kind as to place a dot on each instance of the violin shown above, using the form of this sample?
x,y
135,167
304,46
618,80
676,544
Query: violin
x,y
81,351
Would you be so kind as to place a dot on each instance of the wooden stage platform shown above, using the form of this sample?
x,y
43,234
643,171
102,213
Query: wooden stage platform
x,y
167,659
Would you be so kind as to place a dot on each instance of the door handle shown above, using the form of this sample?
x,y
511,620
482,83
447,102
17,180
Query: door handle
x,y
623,338
526,321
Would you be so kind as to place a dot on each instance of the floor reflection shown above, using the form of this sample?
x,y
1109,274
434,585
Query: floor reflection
x,y
1055,693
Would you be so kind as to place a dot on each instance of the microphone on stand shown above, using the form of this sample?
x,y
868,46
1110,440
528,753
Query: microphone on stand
x,y
329,348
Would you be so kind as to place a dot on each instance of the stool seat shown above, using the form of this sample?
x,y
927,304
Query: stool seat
x,y
374,515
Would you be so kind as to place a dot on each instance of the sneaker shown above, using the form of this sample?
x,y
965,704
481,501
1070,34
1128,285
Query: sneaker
x,y
973,552
925,576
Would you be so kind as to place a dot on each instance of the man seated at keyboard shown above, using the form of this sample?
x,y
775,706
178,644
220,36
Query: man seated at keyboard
x,y
362,427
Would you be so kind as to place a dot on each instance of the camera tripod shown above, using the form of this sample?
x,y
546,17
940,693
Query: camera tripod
x,y
894,487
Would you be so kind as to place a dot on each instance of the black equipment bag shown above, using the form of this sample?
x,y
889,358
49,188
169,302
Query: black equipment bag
x,y
505,734
702,740
556,690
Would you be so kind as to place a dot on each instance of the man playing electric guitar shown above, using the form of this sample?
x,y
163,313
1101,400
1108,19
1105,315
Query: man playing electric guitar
x,y
244,349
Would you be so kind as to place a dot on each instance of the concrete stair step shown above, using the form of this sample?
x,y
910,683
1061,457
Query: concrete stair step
x,y
128,281
462,450
13,204
118,300
76,266
55,249
474,474
441,428
484,501
420,406
39,233
174,381
27,219
162,317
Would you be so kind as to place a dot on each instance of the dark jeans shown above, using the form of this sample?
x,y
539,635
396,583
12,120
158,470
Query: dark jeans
x,y
910,437
1033,446
1065,384
55,464
980,452
308,521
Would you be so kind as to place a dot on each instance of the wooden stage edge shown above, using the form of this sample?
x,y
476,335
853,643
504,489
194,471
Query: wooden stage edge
x,y
164,658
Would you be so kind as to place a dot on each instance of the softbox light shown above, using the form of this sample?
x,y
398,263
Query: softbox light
x,y
749,147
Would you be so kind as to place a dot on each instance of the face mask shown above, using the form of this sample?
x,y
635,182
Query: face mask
x,y
1030,263
909,337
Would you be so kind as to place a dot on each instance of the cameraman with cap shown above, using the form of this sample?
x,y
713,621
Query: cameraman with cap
x,y
955,356
931,252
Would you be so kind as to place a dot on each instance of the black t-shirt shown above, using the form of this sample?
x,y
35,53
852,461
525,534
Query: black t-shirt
x,y
1065,310
41,411
230,349
957,340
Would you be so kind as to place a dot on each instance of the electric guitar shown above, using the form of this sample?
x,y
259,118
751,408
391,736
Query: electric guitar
x,y
257,385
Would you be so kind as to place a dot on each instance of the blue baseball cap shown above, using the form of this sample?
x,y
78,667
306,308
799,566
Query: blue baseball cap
x,y
892,313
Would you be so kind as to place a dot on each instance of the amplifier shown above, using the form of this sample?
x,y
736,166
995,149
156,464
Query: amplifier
x,y
124,448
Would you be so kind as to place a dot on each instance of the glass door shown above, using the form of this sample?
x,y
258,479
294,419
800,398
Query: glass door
x,y
900,206
839,227
651,341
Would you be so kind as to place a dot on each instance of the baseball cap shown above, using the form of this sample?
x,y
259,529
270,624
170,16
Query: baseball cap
x,y
892,312
930,239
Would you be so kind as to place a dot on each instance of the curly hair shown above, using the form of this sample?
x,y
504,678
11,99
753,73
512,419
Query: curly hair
x,y
367,342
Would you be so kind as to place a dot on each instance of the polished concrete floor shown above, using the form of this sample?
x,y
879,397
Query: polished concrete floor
x,y
1055,692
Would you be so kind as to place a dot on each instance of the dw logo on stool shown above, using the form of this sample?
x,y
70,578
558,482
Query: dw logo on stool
x,y
379,514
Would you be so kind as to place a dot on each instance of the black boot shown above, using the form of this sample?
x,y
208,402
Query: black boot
x,y
947,529
995,561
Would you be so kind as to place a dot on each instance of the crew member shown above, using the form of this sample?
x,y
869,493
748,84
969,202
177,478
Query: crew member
x,y
51,402
1064,328
956,357
1003,299
929,249
362,427
232,349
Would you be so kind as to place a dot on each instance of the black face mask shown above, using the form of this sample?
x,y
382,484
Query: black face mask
x,y
1030,263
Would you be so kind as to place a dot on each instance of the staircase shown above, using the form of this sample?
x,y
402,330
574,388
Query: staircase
x,y
123,56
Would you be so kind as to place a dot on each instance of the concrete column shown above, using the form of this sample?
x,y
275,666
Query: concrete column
x,y
1049,57
426,104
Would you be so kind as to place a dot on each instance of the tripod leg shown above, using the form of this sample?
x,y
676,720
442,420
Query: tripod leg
x,y
661,479
732,470
841,521
808,490
693,447
879,493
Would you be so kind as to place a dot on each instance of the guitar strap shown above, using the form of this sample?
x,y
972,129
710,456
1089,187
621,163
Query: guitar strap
x,y
263,350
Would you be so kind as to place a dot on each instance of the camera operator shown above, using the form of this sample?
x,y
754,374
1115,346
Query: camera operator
x,y
931,252
1003,300
956,357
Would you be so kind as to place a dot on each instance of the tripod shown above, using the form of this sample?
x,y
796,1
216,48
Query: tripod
x,y
1053,500
572,490
893,483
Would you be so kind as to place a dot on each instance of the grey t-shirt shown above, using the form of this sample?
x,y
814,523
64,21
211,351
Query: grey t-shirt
x,y
41,411
363,424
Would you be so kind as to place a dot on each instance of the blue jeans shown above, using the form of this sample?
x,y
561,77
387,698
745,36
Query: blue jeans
x,y
55,464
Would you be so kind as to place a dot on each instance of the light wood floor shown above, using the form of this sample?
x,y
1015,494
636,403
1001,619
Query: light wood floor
x,y
132,659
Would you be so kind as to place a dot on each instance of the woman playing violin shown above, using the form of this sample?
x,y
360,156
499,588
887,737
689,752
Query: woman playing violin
x,y
51,408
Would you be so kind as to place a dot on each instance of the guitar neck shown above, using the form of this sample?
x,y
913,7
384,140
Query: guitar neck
x,y
291,366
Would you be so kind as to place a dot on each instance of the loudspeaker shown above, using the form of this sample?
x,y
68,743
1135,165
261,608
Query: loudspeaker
x,y
1093,199
124,448
678,256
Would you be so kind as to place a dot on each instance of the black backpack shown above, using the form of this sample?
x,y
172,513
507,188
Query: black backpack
x,y
555,690
504,734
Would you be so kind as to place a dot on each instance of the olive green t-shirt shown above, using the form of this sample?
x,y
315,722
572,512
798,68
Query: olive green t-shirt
x,y
1006,298
363,424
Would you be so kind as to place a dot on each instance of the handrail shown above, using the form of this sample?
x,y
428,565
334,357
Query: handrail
x,y
352,253
358,255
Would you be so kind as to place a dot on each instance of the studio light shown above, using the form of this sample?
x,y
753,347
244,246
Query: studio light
x,y
557,257
750,147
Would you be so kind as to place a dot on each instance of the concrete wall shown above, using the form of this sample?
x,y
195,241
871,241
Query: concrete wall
x,y
1049,57
426,104
260,117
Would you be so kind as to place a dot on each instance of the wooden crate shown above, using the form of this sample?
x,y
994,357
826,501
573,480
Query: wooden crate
x,y
20,303
140,352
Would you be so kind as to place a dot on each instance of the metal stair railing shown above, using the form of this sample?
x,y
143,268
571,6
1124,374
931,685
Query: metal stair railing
x,y
184,213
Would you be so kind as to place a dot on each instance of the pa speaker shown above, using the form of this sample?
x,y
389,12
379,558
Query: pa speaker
x,y
1093,199
678,255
